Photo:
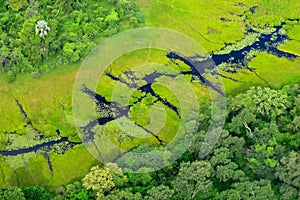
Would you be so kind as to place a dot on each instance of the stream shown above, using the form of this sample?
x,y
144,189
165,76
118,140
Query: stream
x,y
45,146
33,148
265,42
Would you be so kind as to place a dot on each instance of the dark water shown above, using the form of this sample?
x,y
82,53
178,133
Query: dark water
x,y
150,79
39,135
22,110
294,20
223,19
33,148
110,110
198,66
253,9
44,147
266,43
47,157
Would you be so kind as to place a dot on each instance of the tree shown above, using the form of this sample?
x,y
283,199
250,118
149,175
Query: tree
x,y
76,191
122,195
152,158
126,4
77,22
71,53
10,76
36,193
263,102
11,193
30,45
288,172
226,169
193,180
16,5
140,182
161,192
243,123
112,23
265,152
101,180
133,22
262,160
234,144
250,190
41,29
295,125
112,18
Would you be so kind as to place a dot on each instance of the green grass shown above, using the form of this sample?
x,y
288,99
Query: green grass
x,y
276,73
273,12
291,47
198,19
47,102
71,166
140,114
28,169
32,169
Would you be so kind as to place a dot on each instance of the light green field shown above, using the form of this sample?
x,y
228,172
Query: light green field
x,y
271,72
197,19
32,169
46,101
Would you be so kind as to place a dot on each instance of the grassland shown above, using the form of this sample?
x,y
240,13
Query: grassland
x,y
47,100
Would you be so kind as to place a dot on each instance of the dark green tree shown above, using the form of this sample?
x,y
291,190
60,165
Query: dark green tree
x,y
36,193
252,190
122,195
76,191
193,180
11,193
160,192
288,172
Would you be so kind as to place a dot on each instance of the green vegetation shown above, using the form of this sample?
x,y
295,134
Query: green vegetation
x,y
37,36
257,156
41,44
270,71
273,12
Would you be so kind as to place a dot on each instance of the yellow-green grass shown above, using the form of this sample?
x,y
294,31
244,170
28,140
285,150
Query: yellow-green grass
x,y
28,169
293,30
198,18
47,102
44,98
71,166
291,47
274,72
138,62
140,114
32,169
273,12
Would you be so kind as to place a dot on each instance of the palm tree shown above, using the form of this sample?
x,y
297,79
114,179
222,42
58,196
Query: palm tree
x,y
42,28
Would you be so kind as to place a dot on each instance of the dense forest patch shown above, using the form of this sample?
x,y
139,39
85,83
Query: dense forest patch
x,y
37,36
